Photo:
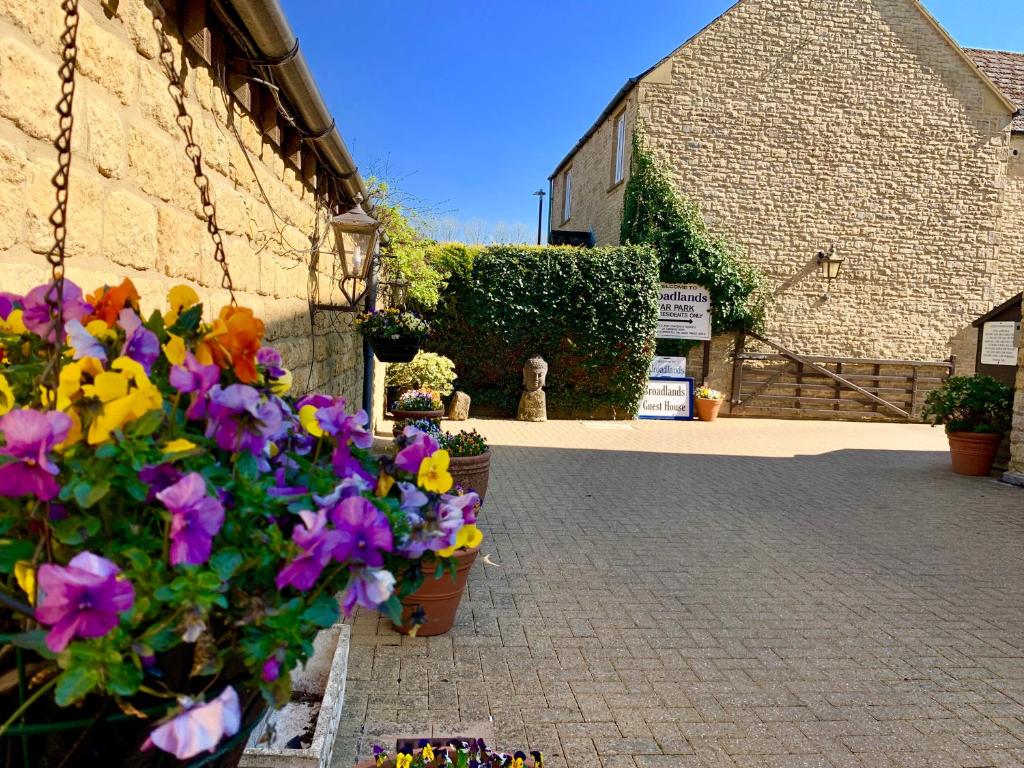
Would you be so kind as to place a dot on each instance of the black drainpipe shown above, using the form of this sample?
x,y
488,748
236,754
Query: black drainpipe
x,y
371,304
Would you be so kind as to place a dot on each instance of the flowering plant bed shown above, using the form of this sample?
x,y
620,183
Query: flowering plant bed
x,y
418,400
177,527
393,324
453,754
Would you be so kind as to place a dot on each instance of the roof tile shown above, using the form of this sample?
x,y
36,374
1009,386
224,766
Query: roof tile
x,y
1006,70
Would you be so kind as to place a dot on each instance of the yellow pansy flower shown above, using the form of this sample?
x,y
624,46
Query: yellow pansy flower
x,y
384,484
307,418
179,298
174,350
433,474
6,395
13,324
179,446
469,536
100,329
25,575
428,753
402,760
282,384
126,394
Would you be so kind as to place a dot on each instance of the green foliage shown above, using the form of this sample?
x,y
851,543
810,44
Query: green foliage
x,y
971,404
590,312
688,252
427,369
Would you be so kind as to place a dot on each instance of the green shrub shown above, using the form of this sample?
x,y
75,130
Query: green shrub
x,y
971,404
427,369
590,312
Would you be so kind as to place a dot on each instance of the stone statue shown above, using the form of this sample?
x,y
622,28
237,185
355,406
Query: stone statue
x,y
533,404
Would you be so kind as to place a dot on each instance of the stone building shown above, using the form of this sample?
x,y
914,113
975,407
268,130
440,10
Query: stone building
x,y
134,208
798,124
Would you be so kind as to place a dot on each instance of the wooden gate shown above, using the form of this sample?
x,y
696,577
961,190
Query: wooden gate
x,y
783,383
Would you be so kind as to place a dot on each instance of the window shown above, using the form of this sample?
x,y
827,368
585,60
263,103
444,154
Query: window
x,y
567,195
618,167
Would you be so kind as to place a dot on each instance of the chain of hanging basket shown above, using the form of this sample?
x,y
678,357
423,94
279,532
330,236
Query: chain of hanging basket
x,y
59,218
177,90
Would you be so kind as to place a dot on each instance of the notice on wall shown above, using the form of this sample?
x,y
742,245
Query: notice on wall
x,y
684,312
999,342
668,400
668,368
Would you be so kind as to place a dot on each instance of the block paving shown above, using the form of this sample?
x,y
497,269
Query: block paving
x,y
745,593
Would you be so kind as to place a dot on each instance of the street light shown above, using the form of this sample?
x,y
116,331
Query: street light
x,y
539,194
831,265
355,238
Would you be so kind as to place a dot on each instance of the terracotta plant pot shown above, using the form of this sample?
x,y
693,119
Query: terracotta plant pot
x,y
707,410
438,598
401,415
973,453
472,472
395,350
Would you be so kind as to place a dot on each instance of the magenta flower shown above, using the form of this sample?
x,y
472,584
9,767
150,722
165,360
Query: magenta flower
x,y
364,533
199,728
29,437
367,588
82,599
196,379
319,401
453,512
140,343
419,445
37,312
272,667
8,303
240,420
195,519
317,543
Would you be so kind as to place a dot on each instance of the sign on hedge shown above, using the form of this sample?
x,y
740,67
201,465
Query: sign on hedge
x,y
684,312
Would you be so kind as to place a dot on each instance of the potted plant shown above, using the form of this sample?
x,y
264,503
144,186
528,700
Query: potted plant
x,y
426,371
470,460
977,412
176,529
437,753
417,404
395,335
709,403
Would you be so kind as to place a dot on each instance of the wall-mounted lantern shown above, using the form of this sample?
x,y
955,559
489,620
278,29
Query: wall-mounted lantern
x,y
355,236
831,264
398,291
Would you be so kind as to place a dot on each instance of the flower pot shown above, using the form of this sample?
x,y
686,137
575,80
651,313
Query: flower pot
x,y
401,415
472,472
707,410
302,733
395,350
438,598
972,453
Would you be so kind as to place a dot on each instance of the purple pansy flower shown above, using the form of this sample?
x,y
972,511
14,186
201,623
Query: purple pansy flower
x,y
419,445
413,499
82,599
30,436
195,378
240,420
195,519
158,477
8,303
199,728
319,401
281,489
37,312
455,511
84,343
140,343
317,543
364,533
368,588
270,359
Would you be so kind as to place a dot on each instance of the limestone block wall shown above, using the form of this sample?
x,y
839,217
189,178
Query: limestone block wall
x,y
1013,237
596,202
134,209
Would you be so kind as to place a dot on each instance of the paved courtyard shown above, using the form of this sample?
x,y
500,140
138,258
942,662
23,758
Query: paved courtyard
x,y
744,593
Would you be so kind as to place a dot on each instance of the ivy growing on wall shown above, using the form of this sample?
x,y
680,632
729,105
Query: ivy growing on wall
x,y
590,312
654,213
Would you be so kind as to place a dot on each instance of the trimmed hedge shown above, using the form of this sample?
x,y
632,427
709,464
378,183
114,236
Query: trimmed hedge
x,y
590,312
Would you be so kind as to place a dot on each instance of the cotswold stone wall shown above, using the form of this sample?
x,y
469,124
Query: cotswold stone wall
x,y
596,201
134,209
1013,237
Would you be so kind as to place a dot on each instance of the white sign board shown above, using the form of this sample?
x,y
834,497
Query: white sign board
x,y
685,312
999,343
668,399
668,368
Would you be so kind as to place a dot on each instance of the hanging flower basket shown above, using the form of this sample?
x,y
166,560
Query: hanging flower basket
x,y
396,350
396,335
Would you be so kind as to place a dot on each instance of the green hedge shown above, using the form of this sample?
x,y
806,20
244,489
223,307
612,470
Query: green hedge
x,y
590,312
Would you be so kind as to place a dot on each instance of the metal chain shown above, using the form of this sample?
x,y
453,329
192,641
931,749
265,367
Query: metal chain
x,y
59,218
192,150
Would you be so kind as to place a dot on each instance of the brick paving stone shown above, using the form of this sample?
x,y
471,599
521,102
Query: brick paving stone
x,y
743,593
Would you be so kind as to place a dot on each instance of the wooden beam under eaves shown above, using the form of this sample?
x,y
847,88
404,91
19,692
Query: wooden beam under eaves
x,y
241,86
268,118
195,30
292,147
309,166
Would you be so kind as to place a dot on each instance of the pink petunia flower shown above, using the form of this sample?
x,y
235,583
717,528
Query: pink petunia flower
x,y
29,436
195,519
199,728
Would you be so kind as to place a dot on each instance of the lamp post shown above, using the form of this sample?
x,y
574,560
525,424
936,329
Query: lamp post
x,y
831,265
540,211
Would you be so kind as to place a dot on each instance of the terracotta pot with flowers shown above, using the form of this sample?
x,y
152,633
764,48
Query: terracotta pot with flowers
x,y
470,460
395,335
977,412
416,404
176,529
709,403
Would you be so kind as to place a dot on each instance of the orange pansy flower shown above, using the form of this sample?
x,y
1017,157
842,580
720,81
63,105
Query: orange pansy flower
x,y
108,302
233,342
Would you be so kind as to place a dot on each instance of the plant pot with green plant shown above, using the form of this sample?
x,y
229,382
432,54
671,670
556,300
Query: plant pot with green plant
x,y
708,402
395,335
977,412
469,460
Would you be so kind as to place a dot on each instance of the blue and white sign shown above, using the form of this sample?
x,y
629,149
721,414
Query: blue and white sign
x,y
684,312
668,368
668,400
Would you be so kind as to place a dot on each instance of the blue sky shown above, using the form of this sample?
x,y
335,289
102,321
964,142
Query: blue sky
x,y
469,106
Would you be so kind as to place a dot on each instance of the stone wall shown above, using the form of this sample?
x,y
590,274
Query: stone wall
x,y
596,201
1013,237
134,209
